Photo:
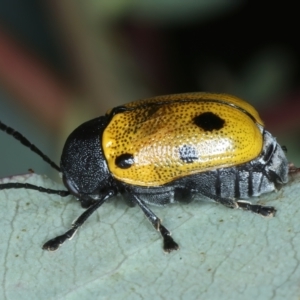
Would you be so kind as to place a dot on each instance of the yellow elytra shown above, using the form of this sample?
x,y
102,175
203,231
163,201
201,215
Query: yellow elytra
x,y
169,137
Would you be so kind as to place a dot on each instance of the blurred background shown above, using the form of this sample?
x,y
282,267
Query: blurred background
x,y
65,62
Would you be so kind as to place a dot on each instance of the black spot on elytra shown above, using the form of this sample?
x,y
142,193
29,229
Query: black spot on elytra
x,y
209,121
188,154
124,161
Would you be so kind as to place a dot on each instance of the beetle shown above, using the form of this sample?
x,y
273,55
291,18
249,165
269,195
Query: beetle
x,y
168,149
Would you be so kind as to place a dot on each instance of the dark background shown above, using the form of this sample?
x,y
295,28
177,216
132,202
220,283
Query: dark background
x,y
64,62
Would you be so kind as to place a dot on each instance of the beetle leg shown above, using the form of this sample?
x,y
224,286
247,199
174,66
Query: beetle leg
x,y
265,211
54,243
169,243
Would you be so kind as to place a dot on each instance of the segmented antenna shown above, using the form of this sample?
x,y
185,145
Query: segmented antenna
x,y
28,186
18,136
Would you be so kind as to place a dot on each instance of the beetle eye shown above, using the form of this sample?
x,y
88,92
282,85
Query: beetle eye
x,y
70,186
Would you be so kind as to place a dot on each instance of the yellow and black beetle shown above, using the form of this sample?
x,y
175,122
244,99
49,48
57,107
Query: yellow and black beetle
x,y
168,149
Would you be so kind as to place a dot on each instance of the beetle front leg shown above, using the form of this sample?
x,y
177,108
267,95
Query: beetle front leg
x,y
54,243
169,243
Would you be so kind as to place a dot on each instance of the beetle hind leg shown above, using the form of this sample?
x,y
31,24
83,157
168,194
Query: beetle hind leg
x,y
169,244
265,211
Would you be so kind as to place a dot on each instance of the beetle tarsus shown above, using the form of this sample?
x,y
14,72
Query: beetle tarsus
x,y
169,244
54,244
265,211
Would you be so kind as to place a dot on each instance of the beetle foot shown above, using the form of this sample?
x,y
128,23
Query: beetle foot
x,y
169,244
265,211
55,243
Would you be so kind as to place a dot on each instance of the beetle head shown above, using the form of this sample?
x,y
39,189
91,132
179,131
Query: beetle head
x,y
83,165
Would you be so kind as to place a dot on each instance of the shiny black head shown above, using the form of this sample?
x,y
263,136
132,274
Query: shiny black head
x,y
83,165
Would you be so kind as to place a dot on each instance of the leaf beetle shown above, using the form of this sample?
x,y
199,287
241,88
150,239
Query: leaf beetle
x,y
168,149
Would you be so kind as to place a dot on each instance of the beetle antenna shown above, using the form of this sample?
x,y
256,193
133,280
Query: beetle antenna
x,y
18,136
28,186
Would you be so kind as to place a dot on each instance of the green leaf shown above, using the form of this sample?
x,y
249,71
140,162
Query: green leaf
x,y
224,253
